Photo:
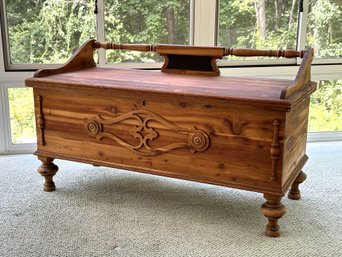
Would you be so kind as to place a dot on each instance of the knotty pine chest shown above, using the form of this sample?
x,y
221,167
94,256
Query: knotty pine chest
x,y
185,121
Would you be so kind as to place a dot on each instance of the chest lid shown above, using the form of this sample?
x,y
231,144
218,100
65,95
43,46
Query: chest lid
x,y
187,71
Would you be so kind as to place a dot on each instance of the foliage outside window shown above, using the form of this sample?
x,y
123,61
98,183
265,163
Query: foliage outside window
x,y
154,22
22,115
273,24
259,24
48,31
325,111
324,28
326,107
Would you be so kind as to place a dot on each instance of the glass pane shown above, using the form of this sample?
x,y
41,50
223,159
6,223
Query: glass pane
x,y
22,115
326,107
48,31
324,28
151,22
258,24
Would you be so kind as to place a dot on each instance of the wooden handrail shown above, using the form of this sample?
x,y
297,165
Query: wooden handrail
x,y
118,46
218,52
269,53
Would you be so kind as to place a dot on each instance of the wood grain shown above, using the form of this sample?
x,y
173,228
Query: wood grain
x,y
65,117
263,91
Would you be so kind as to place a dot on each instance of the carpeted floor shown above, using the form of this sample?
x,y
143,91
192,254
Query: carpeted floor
x,y
100,211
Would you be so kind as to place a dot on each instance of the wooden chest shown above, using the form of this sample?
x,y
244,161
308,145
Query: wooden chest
x,y
185,122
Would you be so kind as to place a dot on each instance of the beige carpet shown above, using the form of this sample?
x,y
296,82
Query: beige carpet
x,y
107,212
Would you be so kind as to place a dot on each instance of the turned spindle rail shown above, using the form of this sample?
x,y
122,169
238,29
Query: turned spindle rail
x,y
210,51
202,60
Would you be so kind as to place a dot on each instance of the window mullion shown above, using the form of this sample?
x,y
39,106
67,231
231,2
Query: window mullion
x,y
8,146
100,30
4,42
205,22
302,27
191,22
5,136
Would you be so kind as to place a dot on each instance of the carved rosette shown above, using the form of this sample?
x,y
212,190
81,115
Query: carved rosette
x,y
93,127
198,140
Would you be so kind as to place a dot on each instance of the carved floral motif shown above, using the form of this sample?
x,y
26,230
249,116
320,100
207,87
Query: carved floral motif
x,y
198,140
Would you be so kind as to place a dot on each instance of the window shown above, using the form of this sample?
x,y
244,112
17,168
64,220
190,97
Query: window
x,y
37,33
326,107
258,24
17,127
154,21
49,31
21,115
324,28
46,32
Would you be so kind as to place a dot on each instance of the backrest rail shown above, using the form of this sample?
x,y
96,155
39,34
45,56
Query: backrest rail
x,y
198,50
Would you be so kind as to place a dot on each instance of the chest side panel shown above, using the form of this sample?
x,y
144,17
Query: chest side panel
x,y
295,140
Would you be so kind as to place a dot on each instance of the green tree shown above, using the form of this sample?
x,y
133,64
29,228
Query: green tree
x,y
48,31
140,21
21,114
326,106
325,28
258,23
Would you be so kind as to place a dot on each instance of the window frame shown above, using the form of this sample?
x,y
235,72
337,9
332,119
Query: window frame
x,y
7,145
204,18
302,29
322,69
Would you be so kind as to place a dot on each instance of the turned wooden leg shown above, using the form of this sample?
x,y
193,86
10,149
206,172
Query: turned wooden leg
x,y
273,210
294,192
48,169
